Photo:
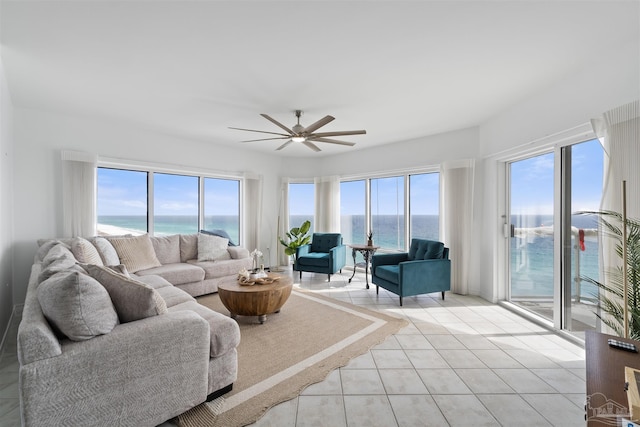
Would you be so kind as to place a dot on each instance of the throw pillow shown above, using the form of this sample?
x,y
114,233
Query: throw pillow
x,y
167,248
211,248
58,259
188,247
44,249
77,305
106,250
132,299
219,233
85,252
135,252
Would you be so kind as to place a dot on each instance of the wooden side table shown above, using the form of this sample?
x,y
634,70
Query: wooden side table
x,y
367,252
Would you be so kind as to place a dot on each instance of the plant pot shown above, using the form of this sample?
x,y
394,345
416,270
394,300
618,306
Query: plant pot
x,y
369,242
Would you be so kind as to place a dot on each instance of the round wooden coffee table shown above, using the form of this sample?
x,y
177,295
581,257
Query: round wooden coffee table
x,y
256,300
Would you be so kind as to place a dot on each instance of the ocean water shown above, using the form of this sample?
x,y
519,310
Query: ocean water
x,y
531,254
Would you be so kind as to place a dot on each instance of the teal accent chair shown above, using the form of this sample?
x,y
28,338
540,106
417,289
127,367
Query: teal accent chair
x,y
426,268
326,254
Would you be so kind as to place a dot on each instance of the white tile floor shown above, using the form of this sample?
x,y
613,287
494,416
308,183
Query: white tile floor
x,y
459,362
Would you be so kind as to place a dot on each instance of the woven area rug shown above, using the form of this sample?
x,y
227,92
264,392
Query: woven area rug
x,y
300,346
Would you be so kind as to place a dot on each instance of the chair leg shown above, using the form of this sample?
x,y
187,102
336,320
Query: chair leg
x,y
300,274
400,301
442,295
377,289
328,277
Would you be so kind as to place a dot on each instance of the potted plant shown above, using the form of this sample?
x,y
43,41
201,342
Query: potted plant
x,y
611,295
296,237
370,238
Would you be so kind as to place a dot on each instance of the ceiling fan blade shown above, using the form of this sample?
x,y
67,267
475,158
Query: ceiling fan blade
x,y
262,131
277,123
266,139
333,141
284,145
311,145
317,125
340,133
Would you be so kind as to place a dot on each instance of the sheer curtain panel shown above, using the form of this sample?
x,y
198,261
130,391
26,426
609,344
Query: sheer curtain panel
x,y
327,215
252,211
79,193
457,179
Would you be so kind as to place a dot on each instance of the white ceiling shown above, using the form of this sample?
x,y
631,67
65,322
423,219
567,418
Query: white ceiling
x,y
398,69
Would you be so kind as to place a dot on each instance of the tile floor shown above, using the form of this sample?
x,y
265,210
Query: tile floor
x,y
459,362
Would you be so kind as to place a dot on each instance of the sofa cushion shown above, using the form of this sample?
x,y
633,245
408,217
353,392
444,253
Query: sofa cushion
x,y
238,252
85,251
188,247
132,299
211,248
156,282
176,274
106,250
167,248
135,252
77,305
225,333
324,242
173,296
316,259
390,273
425,249
58,259
215,269
44,247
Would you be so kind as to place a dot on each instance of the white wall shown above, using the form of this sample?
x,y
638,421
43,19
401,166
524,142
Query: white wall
x,y
613,79
6,204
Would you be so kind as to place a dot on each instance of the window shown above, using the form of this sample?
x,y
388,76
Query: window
x,y
424,206
353,214
175,204
122,202
222,206
301,204
136,202
387,212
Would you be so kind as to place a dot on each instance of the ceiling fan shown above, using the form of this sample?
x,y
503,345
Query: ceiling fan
x,y
306,135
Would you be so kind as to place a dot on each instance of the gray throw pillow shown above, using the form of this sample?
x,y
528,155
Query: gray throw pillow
x,y
211,248
85,252
77,305
58,259
106,250
167,248
135,252
132,299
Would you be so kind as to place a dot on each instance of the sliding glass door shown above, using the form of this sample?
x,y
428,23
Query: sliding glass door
x,y
553,243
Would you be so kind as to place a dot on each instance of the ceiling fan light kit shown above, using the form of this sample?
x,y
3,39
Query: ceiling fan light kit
x,y
304,135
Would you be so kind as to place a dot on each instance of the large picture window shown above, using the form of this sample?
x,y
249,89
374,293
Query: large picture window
x,y
122,202
424,206
387,212
137,202
222,206
301,204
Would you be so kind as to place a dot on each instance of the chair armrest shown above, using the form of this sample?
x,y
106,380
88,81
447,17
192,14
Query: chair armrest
x,y
338,256
438,272
388,259
303,250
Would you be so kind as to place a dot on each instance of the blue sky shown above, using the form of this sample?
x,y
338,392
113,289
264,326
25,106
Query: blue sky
x,y
124,192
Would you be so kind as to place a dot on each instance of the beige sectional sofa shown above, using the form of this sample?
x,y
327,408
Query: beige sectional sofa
x,y
99,345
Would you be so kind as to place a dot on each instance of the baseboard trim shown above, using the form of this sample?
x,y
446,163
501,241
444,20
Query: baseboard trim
x,y
6,331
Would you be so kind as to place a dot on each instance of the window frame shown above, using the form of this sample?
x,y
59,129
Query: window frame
x,y
201,174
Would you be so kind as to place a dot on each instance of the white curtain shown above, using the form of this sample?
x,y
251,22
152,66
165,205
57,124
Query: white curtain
x,y
327,213
79,184
457,180
283,220
619,133
252,211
